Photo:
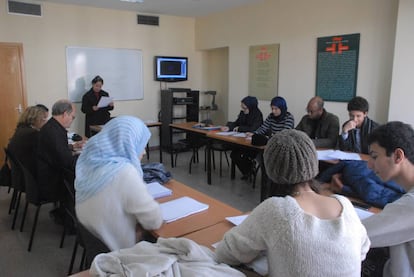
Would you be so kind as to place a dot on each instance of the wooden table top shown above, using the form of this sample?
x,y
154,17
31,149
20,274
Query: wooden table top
x,y
216,212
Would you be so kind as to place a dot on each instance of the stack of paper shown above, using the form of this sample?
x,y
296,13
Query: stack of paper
x,y
105,101
181,207
336,155
157,190
231,133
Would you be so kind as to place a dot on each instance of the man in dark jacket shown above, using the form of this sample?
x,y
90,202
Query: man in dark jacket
x,y
322,127
355,131
53,151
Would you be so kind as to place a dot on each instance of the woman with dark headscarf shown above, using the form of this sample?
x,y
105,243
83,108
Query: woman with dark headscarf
x,y
112,199
278,120
249,119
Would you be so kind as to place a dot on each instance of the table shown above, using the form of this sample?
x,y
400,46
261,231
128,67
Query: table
x,y
216,212
97,128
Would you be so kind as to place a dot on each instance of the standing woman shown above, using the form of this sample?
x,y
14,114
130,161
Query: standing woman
x,y
95,115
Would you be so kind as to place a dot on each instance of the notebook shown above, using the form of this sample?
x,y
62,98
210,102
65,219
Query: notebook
x,y
157,190
181,207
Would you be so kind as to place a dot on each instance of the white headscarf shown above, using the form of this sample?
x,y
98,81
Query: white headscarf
x,y
121,141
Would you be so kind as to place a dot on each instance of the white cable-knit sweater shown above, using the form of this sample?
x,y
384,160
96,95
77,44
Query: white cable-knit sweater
x,y
296,243
112,214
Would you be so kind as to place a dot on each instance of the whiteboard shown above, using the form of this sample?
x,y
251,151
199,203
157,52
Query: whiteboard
x,y
121,70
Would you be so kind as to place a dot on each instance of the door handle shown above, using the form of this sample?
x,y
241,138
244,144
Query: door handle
x,y
19,108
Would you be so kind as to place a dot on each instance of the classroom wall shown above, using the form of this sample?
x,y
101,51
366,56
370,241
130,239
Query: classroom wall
x,y
296,25
402,96
44,40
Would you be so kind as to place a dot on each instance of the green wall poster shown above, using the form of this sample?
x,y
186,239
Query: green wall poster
x,y
263,71
337,67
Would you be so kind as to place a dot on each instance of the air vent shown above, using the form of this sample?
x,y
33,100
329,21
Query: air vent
x,y
148,20
24,8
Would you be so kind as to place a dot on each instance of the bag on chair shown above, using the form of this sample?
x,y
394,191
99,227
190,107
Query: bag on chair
x,y
5,174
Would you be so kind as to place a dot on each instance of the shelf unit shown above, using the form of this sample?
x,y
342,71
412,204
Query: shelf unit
x,y
177,105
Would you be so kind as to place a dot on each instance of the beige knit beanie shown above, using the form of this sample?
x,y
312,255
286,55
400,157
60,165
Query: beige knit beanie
x,y
290,157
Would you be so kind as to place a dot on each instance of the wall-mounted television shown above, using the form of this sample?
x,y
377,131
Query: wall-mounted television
x,y
170,69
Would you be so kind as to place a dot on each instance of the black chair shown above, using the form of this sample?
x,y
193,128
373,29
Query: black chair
x,y
17,183
33,196
221,148
68,202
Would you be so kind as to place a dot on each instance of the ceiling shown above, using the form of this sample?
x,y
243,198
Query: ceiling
x,y
188,8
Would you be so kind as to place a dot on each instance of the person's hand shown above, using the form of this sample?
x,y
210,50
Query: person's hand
x,y
111,104
224,129
95,108
249,134
78,145
336,182
236,129
348,126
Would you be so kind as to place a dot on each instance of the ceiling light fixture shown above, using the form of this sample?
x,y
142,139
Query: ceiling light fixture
x,y
133,1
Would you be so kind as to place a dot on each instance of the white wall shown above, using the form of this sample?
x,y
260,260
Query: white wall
x,y
296,25
45,38
402,96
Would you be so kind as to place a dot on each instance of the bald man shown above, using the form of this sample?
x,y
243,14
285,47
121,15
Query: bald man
x,y
322,127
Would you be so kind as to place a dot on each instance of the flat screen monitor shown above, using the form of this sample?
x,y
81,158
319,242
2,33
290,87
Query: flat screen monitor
x,y
170,69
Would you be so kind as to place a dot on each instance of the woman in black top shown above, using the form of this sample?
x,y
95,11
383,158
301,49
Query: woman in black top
x,y
94,114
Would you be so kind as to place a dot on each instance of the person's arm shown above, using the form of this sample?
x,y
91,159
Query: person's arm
x,y
255,122
329,134
394,224
139,202
87,104
243,243
264,128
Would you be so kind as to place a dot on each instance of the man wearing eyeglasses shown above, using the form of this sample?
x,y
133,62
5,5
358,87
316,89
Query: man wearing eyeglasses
x,y
54,153
321,126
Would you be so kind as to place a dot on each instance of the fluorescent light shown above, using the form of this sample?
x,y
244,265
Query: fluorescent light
x,y
133,1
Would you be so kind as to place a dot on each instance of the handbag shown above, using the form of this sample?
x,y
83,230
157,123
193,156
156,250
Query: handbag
x,y
5,174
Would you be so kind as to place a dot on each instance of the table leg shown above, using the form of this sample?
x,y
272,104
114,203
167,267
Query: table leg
x,y
232,170
159,132
171,147
209,161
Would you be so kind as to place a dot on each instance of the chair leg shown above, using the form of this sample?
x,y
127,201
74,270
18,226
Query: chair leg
x,y
34,228
62,238
227,158
24,216
16,211
83,260
72,259
221,158
13,201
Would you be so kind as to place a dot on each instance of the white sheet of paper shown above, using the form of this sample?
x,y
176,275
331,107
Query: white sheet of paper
x,y
157,190
231,133
181,207
331,154
236,220
240,135
362,214
104,101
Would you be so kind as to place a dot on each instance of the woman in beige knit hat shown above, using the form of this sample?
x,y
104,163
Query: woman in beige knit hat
x,y
301,232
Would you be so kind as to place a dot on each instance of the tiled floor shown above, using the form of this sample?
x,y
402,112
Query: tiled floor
x,y
47,259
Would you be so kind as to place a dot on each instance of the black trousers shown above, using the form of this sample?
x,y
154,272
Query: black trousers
x,y
243,159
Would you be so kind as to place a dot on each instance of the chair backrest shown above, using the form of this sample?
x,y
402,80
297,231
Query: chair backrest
x,y
17,179
93,245
31,186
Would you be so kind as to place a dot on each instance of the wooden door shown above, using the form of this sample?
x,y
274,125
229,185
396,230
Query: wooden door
x,y
12,90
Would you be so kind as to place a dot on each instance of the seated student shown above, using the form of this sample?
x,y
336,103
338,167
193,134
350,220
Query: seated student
x,y
111,195
250,118
392,158
301,232
23,144
355,131
321,126
278,120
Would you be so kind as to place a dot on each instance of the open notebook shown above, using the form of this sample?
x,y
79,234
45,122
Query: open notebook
x,y
181,207
157,190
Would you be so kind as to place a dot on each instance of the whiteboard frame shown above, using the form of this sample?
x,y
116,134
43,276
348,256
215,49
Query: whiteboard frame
x,y
121,70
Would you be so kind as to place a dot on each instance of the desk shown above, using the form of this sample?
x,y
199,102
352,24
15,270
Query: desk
x,y
97,128
216,212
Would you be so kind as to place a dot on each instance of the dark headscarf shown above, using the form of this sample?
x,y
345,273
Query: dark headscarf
x,y
251,102
281,104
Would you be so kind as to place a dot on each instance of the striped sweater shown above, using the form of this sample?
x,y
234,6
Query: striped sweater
x,y
270,126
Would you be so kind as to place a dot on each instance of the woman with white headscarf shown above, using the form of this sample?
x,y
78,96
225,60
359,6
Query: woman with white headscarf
x,y
111,196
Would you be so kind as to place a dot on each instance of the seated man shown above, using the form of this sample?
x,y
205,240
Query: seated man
x,y
54,153
392,158
355,131
321,126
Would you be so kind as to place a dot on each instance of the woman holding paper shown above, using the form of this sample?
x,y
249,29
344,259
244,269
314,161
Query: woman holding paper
x,y
95,108
301,232
112,199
